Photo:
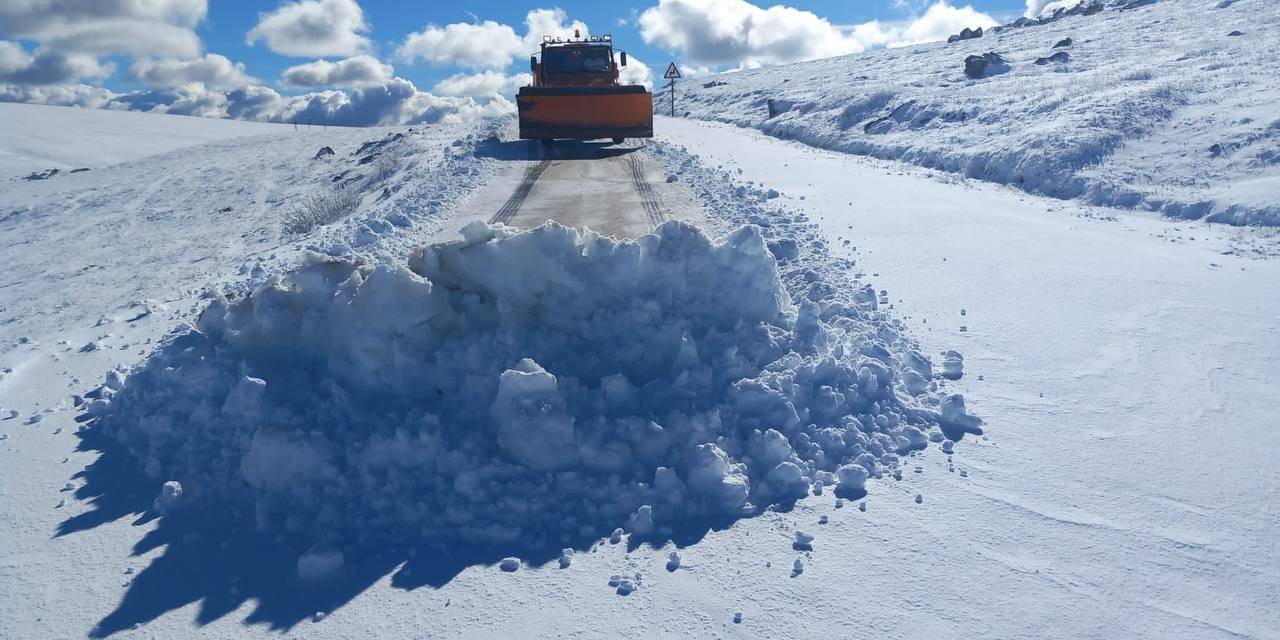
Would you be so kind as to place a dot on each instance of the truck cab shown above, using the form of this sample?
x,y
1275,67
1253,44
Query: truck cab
x,y
575,93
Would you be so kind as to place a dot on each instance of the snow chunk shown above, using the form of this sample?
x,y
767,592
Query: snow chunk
x,y
803,541
170,496
533,426
952,365
853,481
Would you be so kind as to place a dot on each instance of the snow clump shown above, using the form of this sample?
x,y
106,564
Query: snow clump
x,y
524,389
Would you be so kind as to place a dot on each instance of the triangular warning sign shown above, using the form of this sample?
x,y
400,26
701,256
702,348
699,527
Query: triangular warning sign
x,y
672,72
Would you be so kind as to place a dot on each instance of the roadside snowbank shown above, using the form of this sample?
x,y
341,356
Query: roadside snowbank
x,y
526,389
1164,106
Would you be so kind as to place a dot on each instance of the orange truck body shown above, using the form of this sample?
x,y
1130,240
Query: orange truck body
x,y
575,95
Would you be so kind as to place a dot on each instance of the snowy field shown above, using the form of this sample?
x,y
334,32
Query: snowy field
x,y
36,138
252,389
1166,106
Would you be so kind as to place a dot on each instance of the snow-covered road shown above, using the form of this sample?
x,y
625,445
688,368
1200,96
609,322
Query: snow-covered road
x,y
615,189
1127,368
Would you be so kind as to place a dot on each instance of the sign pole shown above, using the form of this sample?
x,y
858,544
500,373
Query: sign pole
x,y
672,74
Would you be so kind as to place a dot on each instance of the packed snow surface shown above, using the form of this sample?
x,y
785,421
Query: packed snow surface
x,y
1154,105
527,389
36,138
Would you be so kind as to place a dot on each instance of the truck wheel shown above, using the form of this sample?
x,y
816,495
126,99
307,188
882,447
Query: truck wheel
x,y
618,140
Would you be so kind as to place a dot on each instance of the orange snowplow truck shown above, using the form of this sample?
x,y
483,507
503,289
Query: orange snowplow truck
x,y
575,94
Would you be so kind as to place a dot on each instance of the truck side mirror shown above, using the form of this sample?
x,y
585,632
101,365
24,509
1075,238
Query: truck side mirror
x,y
624,58
533,64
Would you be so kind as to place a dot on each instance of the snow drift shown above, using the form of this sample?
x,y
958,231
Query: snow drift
x,y
535,388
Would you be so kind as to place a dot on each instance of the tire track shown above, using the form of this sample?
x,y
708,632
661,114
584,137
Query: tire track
x,y
653,209
512,205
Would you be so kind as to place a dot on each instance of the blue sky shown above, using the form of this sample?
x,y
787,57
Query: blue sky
x,y
365,62
391,20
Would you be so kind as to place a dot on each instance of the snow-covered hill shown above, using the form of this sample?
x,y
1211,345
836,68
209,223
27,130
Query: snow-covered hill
x,y
153,228
241,395
36,138
1167,106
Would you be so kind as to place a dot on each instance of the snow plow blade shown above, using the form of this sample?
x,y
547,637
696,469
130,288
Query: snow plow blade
x,y
585,113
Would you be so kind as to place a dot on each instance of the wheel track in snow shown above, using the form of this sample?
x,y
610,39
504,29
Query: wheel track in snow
x,y
648,198
512,205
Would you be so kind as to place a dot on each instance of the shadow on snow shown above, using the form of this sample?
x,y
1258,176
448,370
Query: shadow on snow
x,y
219,560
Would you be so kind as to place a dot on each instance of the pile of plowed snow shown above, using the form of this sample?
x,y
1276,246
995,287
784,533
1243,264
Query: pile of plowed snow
x,y
527,388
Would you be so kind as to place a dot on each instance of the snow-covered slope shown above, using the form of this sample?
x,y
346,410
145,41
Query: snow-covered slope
x,y
399,443
150,229
1167,106
36,138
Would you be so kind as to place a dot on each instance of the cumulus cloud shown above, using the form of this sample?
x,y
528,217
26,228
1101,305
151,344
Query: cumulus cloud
x,y
46,67
356,71
717,33
313,28
724,32
487,44
67,95
397,102
548,22
100,27
484,84
1037,7
212,70
942,20
636,72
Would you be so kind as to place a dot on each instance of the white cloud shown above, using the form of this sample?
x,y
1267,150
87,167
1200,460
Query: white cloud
x,y
487,44
1037,7
99,27
213,70
67,95
942,20
313,28
46,67
736,32
636,72
483,84
548,22
356,71
397,102
719,33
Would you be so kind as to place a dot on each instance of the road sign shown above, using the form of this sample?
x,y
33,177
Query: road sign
x,y
672,72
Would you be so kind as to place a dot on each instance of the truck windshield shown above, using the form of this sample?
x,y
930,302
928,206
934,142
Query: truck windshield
x,y
578,60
